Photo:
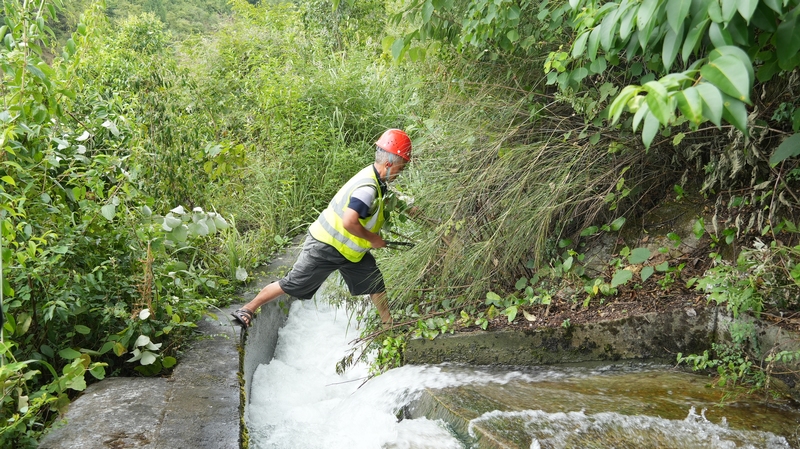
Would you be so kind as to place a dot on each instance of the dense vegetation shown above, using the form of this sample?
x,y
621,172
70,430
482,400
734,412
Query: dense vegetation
x,y
152,153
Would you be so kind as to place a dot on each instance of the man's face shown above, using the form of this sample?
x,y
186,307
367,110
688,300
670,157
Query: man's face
x,y
396,169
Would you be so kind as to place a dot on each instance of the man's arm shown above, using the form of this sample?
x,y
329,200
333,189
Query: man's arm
x,y
353,226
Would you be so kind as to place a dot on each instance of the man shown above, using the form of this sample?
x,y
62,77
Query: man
x,y
340,239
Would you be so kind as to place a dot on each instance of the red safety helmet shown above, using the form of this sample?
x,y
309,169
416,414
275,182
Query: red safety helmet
x,y
396,142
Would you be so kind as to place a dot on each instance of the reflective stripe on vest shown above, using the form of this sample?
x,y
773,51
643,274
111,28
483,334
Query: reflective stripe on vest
x,y
329,227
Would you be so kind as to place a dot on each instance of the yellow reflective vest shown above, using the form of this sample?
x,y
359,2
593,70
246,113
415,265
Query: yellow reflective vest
x,y
329,228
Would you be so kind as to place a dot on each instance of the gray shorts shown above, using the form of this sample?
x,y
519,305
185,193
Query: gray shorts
x,y
318,260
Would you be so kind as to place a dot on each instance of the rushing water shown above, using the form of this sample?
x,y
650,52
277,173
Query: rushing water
x,y
299,402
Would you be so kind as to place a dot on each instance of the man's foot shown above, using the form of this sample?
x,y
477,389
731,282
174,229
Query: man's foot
x,y
243,317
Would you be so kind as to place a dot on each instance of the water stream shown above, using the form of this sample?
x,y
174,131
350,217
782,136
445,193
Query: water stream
x,y
299,402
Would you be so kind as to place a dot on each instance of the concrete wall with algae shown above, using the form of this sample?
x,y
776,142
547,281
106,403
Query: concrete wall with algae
x,y
651,336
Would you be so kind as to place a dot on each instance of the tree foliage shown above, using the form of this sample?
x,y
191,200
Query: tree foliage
x,y
89,273
720,49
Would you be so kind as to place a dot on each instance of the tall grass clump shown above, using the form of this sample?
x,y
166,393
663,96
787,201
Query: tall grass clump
x,y
505,172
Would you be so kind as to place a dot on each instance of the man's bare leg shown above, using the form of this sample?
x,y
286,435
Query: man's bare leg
x,y
267,294
382,304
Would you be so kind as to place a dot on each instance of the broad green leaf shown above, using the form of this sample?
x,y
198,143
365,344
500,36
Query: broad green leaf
x,y
617,224
656,88
107,346
591,230
594,43
730,75
728,8
77,383
639,255
579,46
169,362
696,31
645,14
765,19
735,113
788,148
98,372
37,72
746,8
199,228
677,10
646,273
690,104
626,24
69,354
644,35
737,53
775,5
650,129
148,358
796,120
142,340
8,180
83,330
712,102
671,46
220,222
427,11
108,211
715,11
608,31
386,43
599,65
209,223
640,114
621,277
170,223
719,37
788,35
179,234
579,74
397,48
68,93
658,102
241,274
111,126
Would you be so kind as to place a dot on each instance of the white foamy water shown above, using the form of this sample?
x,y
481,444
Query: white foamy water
x,y
299,402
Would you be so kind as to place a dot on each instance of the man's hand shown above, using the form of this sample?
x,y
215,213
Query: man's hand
x,y
377,242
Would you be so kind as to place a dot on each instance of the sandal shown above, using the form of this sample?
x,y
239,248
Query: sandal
x,y
243,317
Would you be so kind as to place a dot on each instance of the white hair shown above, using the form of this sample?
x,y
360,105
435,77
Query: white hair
x,y
382,156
